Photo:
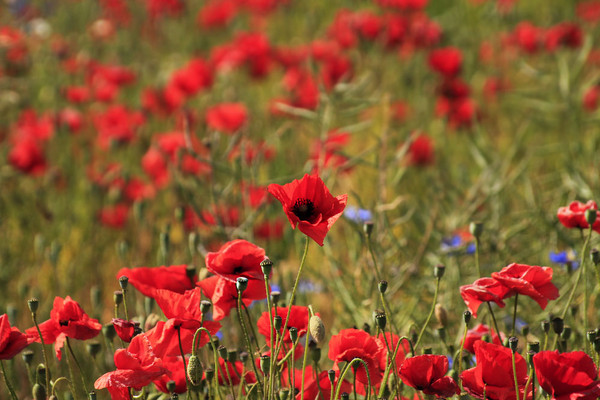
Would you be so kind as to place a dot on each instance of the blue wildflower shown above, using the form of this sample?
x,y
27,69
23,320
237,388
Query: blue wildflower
x,y
567,258
456,244
358,215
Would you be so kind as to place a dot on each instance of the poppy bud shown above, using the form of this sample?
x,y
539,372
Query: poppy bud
x,y
267,266
382,286
123,282
277,322
92,395
591,336
205,306
438,271
533,346
566,333
530,355
595,255
294,334
232,356
39,392
558,325
193,242
345,396
590,216
275,295
368,228
366,327
33,304
223,352
316,328
315,353
93,347
216,343
194,370
597,345
441,315
118,297
174,396
27,357
210,374
265,366
244,356
331,376
381,320
40,374
467,317
546,326
109,331
241,283
513,342
190,272
476,229
171,385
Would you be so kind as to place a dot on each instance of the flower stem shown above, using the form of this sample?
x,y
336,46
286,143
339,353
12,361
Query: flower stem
x,y
271,331
187,383
304,365
34,318
345,371
514,321
477,245
460,352
8,385
287,318
78,366
245,332
435,296
493,320
514,368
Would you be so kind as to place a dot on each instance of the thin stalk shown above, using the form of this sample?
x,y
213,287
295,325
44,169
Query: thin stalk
x,y
215,359
187,383
78,365
271,330
304,366
477,256
514,321
287,318
514,368
251,326
460,352
34,318
71,374
230,381
125,304
62,378
435,296
8,385
389,366
493,319
245,332
345,371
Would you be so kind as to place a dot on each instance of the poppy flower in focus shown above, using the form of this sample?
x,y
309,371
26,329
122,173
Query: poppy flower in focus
x,y
237,258
12,341
528,280
126,330
493,374
573,216
478,333
353,343
309,205
235,370
67,319
483,290
567,376
147,280
427,373
298,320
223,294
227,117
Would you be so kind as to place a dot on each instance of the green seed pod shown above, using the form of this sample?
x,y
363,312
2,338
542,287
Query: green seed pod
x,y
439,270
265,366
33,304
267,266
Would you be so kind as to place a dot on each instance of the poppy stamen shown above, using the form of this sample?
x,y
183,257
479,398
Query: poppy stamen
x,y
303,209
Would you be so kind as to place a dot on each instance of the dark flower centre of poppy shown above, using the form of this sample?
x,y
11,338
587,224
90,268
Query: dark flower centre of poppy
x,y
64,322
303,209
238,270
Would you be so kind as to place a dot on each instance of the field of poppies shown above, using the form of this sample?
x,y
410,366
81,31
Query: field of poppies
x,y
300,199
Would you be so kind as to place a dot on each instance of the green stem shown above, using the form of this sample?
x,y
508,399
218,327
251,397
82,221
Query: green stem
x,y
390,364
245,332
435,296
72,376
345,371
493,320
304,365
8,385
187,383
514,368
33,317
62,378
477,256
460,352
78,365
514,321
287,318
125,304
230,381
271,332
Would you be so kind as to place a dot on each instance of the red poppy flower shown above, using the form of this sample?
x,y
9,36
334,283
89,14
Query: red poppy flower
x,y
476,334
175,365
590,99
12,341
235,370
528,280
427,373
165,336
223,294
589,11
352,343
312,386
67,319
235,259
482,290
227,117
114,216
126,330
27,156
567,376
573,216
309,205
421,150
493,374
146,280
392,342
298,320
446,61
137,366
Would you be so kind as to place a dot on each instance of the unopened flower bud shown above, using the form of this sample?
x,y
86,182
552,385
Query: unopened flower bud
x,y
194,370
441,315
546,326
284,394
190,272
267,266
40,374
438,271
93,348
595,255
558,324
533,346
316,328
232,356
530,355
476,229
381,320
591,336
275,295
109,331
597,345
294,334
277,322
118,297
241,283
265,365
92,395
525,330
315,354
205,306
123,282
27,357
223,352
39,392
566,333
331,376
216,342
467,317
427,350
590,216
366,327
383,285
368,228
441,331
345,396
171,386
513,342
33,304
210,374
244,356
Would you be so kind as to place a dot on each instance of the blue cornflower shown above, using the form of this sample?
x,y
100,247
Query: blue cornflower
x,y
358,215
567,258
456,244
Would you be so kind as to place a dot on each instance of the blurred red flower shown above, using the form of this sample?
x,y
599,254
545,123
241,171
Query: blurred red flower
x,y
483,290
67,319
573,216
567,376
126,330
446,61
298,320
27,156
421,150
114,216
493,374
309,205
147,280
235,370
476,334
589,11
528,280
427,373
223,294
353,343
227,117
12,341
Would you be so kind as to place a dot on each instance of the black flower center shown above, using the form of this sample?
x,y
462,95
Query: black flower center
x,y
304,209
238,270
